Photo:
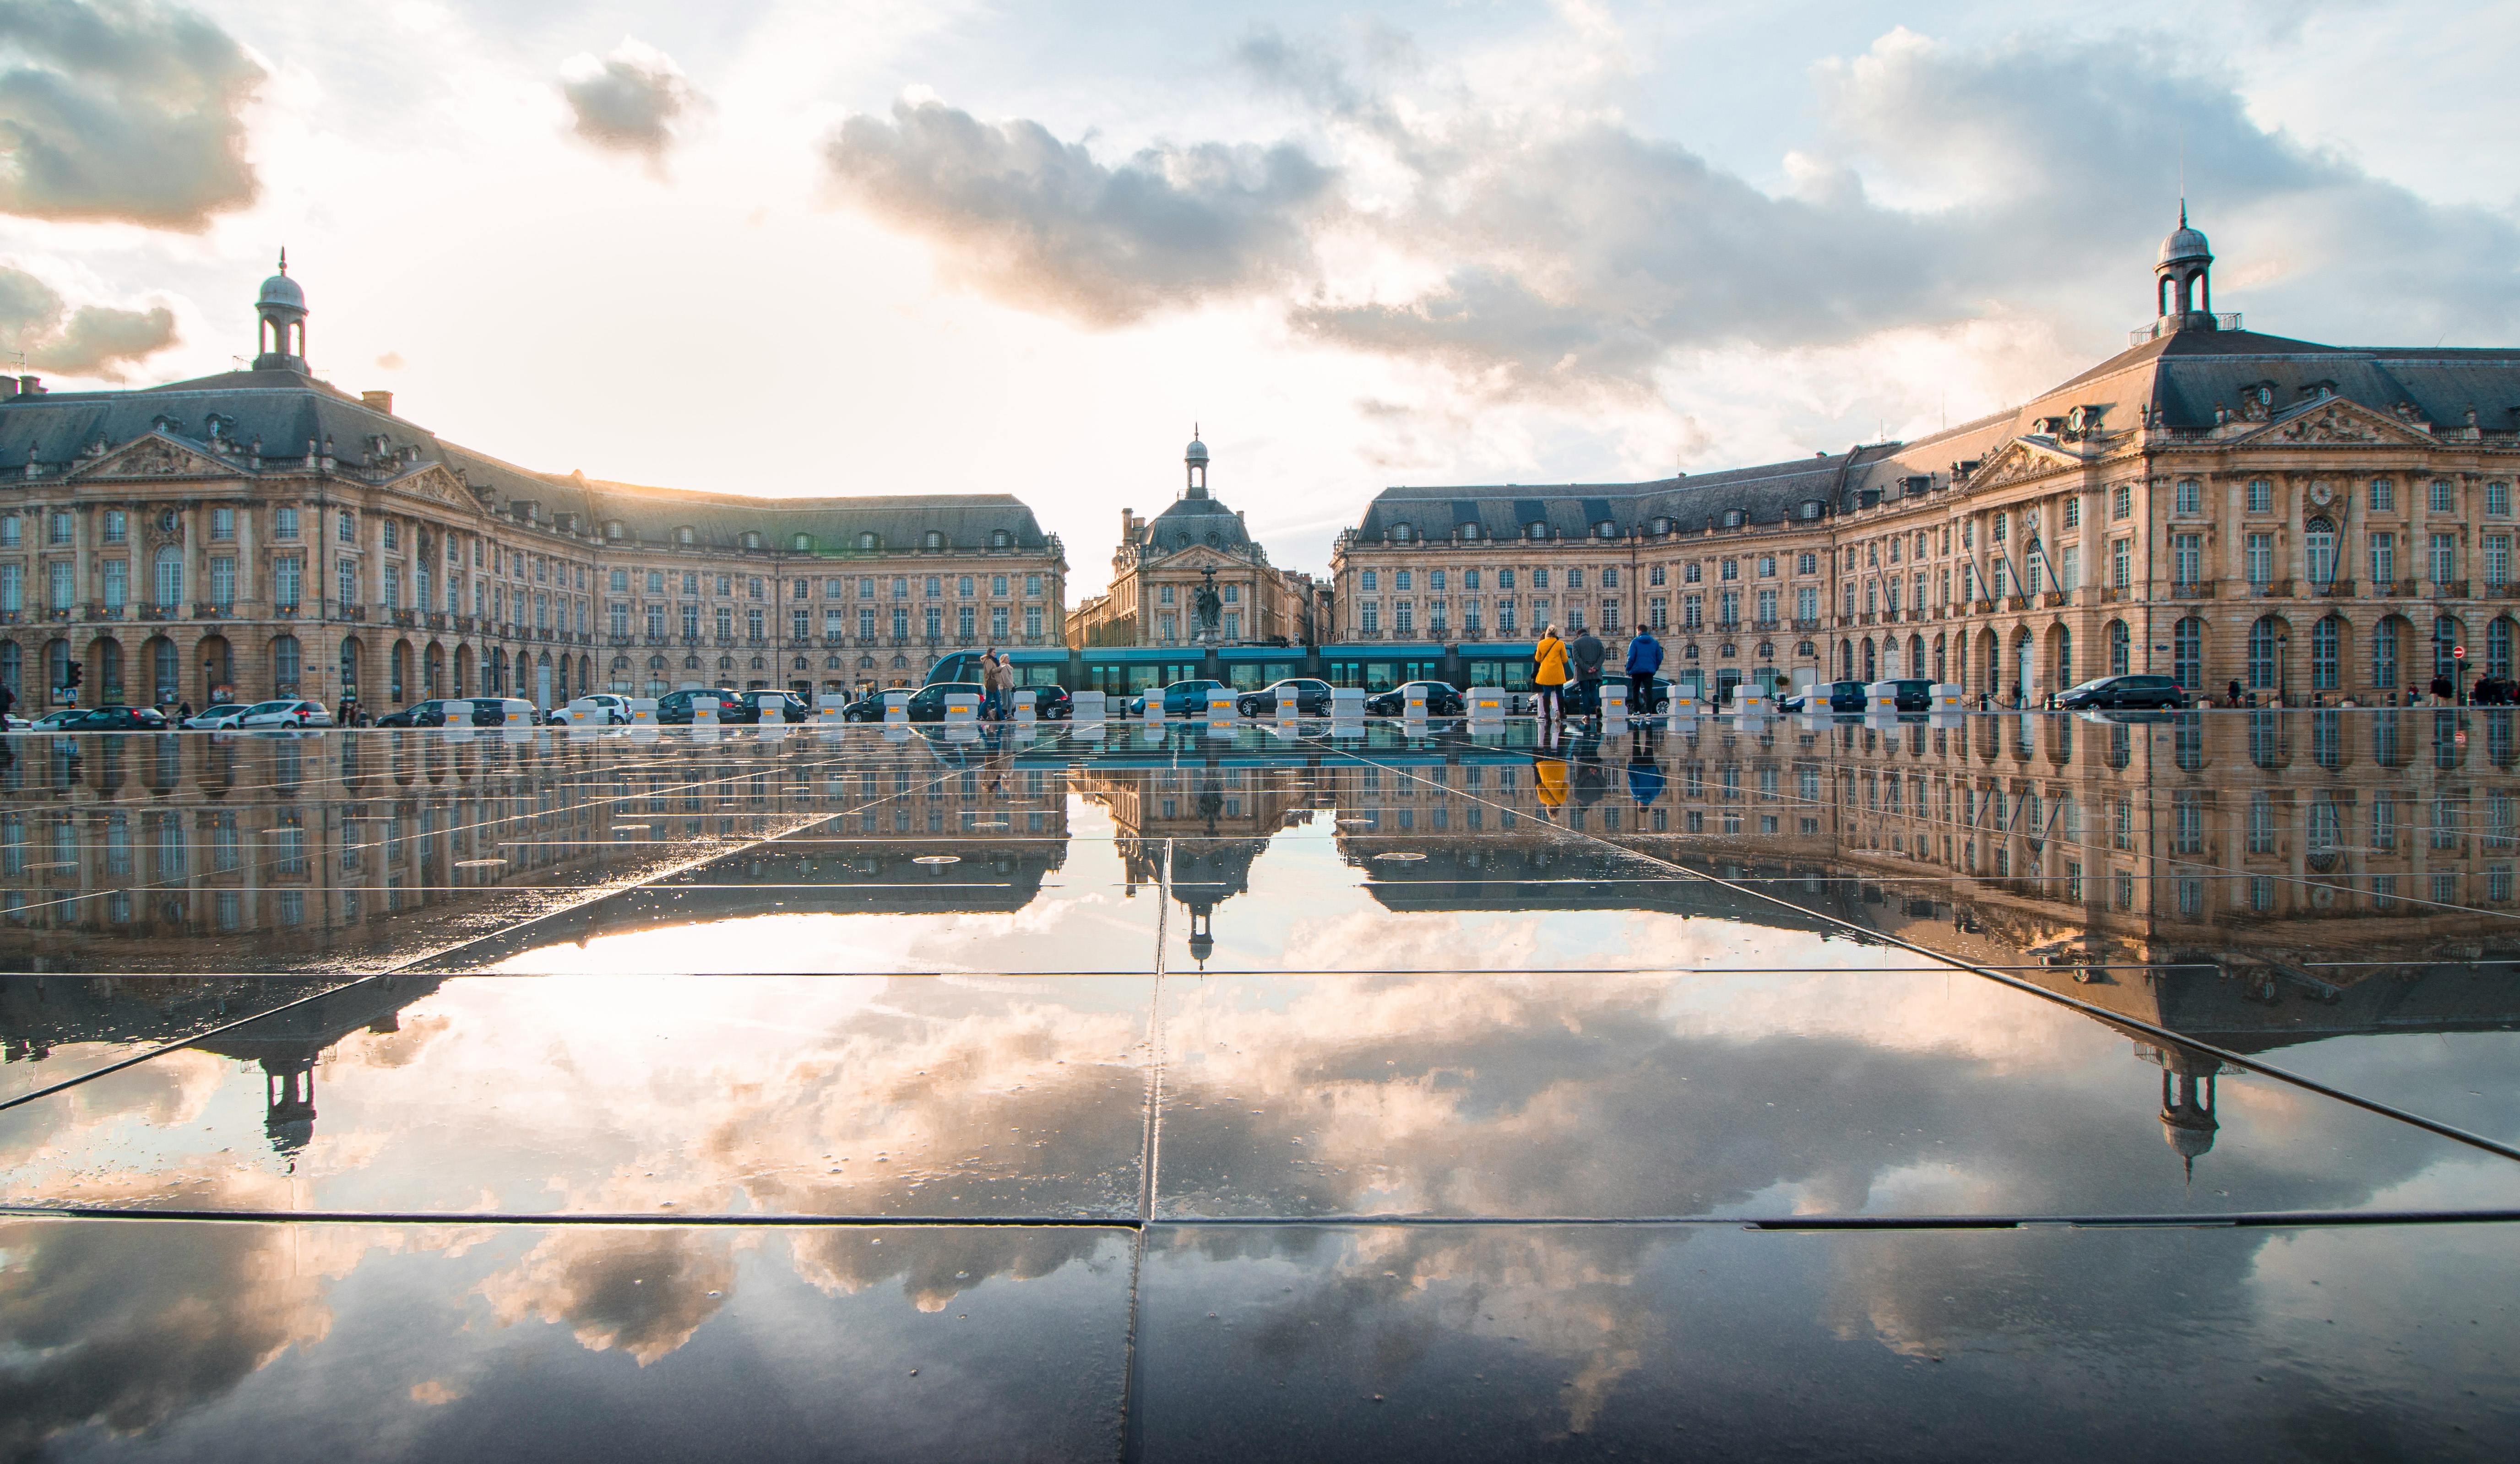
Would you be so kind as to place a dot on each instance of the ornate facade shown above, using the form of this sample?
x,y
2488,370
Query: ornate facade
x,y
1164,563
260,533
2319,523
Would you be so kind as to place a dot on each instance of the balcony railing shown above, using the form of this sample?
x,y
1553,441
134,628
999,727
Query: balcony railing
x,y
2271,589
2199,589
2332,589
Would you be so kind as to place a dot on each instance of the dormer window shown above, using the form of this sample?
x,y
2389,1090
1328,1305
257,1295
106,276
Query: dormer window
x,y
1606,529
1001,539
803,544
1469,533
1399,533
1661,526
935,539
1536,529
751,539
1811,508
1733,519
613,530
686,536
870,541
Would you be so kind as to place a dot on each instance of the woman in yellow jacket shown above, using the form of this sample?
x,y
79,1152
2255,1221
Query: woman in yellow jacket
x,y
1551,677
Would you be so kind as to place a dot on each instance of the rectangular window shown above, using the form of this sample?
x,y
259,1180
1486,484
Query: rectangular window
x,y
1368,617
2187,559
2069,567
2444,557
2074,512
901,622
1767,608
57,529
2190,496
800,625
752,626
2260,559
63,585
117,584
617,620
2122,502
1807,603
2121,564
1371,581
2497,560
2497,500
2384,496
2441,502
1032,622
724,622
1400,580
1655,575
118,525
1540,579
1404,617
2384,557
1505,579
1727,608
835,626
2262,496
866,625
223,581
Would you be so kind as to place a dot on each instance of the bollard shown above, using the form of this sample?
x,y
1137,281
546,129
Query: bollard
x,y
829,709
1882,699
1486,703
1290,707
584,718
1614,702
1749,700
1948,698
1023,711
896,705
643,711
1088,710
961,708
1412,704
1683,703
703,711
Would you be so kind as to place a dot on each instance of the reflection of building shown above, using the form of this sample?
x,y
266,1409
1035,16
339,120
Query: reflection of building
x,y
1164,563
2312,521
260,533
1213,818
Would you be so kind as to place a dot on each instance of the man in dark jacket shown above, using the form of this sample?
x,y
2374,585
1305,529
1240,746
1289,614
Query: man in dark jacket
x,y
1644,659
1588,655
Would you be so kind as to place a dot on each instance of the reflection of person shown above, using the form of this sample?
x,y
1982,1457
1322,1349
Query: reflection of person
x,y
1550,675
1548,778
1644,775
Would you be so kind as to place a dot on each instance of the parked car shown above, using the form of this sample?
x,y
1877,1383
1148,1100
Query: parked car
x,y
1049,703
2154,692
286,712
1180,699
1578,703
113,719
432,713
762,703
1443,699
674,708
609,711
867,708
927,703
1312,698
1830,696
504,711
217,715
51,721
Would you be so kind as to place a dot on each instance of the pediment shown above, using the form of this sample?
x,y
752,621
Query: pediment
x,y
2022,459
2334,422
438,485
156,456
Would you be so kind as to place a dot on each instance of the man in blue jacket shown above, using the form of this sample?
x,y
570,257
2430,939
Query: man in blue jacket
x,y
1644,659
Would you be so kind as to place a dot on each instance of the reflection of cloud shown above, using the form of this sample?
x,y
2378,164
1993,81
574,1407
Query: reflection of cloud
x,y
123,1325
941,1265
644,1292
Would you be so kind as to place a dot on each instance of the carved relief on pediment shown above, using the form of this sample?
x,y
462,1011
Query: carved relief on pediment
x,y
155,457
2333,421
2019,462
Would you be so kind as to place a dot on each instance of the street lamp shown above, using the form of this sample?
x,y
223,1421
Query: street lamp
x,y
2283,668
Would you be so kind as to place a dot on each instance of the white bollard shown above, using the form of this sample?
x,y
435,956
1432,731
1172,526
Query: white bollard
x,y
1087,710
1486,703
1614,702
829,709
1412,704
896,706
961,708
1685,703
703,711
1220,705
1289,708
643,711
1347,703
1749,700
584,718
1882,699
1948,698
1025,711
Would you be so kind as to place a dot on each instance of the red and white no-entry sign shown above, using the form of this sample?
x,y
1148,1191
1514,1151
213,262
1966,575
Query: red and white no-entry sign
x,y
2458,652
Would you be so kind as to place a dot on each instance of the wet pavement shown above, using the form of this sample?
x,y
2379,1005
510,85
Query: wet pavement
x,y
2020,1085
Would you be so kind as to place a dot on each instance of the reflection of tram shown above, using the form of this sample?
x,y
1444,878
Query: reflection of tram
x,y
1375,666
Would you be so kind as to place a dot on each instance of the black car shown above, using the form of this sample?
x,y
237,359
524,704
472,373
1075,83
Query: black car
x,y
1578,702
1051,703
1443,699
1836,696
2124,693
1312,698
114,718
763,703
1186,698
674,708
424,714
927,703
867,708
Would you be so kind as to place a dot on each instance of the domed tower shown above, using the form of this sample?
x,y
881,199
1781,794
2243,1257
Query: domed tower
x,y
1195,460
281,338
2183,280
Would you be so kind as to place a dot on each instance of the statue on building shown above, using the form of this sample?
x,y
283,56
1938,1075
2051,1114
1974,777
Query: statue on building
x,y
1209,606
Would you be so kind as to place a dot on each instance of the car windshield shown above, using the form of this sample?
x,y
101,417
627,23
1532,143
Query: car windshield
x,y
2096,683
269,706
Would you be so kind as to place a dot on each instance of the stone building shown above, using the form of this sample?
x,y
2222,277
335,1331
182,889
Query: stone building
x,y
2316,522
260,533
1164,562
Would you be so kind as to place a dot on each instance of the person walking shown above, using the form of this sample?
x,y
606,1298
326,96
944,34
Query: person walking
x,y
1589,657
1001,687
1549,659
1644,659
989,685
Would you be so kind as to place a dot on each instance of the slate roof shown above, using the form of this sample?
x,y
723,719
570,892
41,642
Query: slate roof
x,y
1768,494
1196,521
287,410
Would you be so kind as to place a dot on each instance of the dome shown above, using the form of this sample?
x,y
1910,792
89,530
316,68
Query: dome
x,y
281,291
2183,245
1192,521
1196,452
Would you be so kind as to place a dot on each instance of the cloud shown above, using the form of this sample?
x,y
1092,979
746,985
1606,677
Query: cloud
x,y
93,340
634,100
1040,224
126,110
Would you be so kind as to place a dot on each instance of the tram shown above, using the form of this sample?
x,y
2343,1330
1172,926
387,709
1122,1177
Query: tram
x,y
1123,671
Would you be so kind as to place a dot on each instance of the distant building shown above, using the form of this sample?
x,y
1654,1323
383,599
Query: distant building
x,y
261,534
1162,564
2315,522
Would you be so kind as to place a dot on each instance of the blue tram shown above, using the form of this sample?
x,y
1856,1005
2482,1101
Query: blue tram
x,y
1123,671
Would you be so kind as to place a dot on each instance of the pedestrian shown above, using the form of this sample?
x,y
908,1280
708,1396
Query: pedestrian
x,y
2236,692
8,704
1004,687
183,713
1589,658
989,685
1549,674
1644,659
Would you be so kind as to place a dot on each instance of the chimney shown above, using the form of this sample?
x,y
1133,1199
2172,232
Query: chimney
x,y
30,386
7,387
377,401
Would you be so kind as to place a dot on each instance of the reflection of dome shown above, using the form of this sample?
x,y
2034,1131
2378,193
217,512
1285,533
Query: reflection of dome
x,y
2188,1122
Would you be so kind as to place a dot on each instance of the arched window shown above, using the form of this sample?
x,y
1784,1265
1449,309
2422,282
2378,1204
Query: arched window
x,y
935,539
2121,647
686,536
2498,646
57,663
12,667
1001,539
2445,640
870,541
2033,568
349,666
2384,654
2262,653
2326,649
1399,533
170,578
285,673
2318,550
1536,529
2187,654
2065,657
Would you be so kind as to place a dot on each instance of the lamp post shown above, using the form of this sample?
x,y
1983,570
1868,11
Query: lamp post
x,y
2283,668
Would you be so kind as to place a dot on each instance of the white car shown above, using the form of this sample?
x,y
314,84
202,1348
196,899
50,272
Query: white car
x,y
513,711
216,717
609,711
287,712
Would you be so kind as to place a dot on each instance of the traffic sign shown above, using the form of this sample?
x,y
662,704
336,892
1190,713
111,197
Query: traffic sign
x,y
2458,652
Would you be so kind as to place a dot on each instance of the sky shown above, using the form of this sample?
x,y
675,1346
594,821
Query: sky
x,y
797,248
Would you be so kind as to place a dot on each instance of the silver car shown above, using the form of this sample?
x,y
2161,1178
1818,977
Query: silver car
x,y
287,712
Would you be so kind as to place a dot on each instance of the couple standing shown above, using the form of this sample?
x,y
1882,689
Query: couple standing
x,y
996,686
1552,656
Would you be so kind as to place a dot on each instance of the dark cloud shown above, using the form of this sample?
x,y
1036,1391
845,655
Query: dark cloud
x,y
635,100
1040,224
123,110
93,340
